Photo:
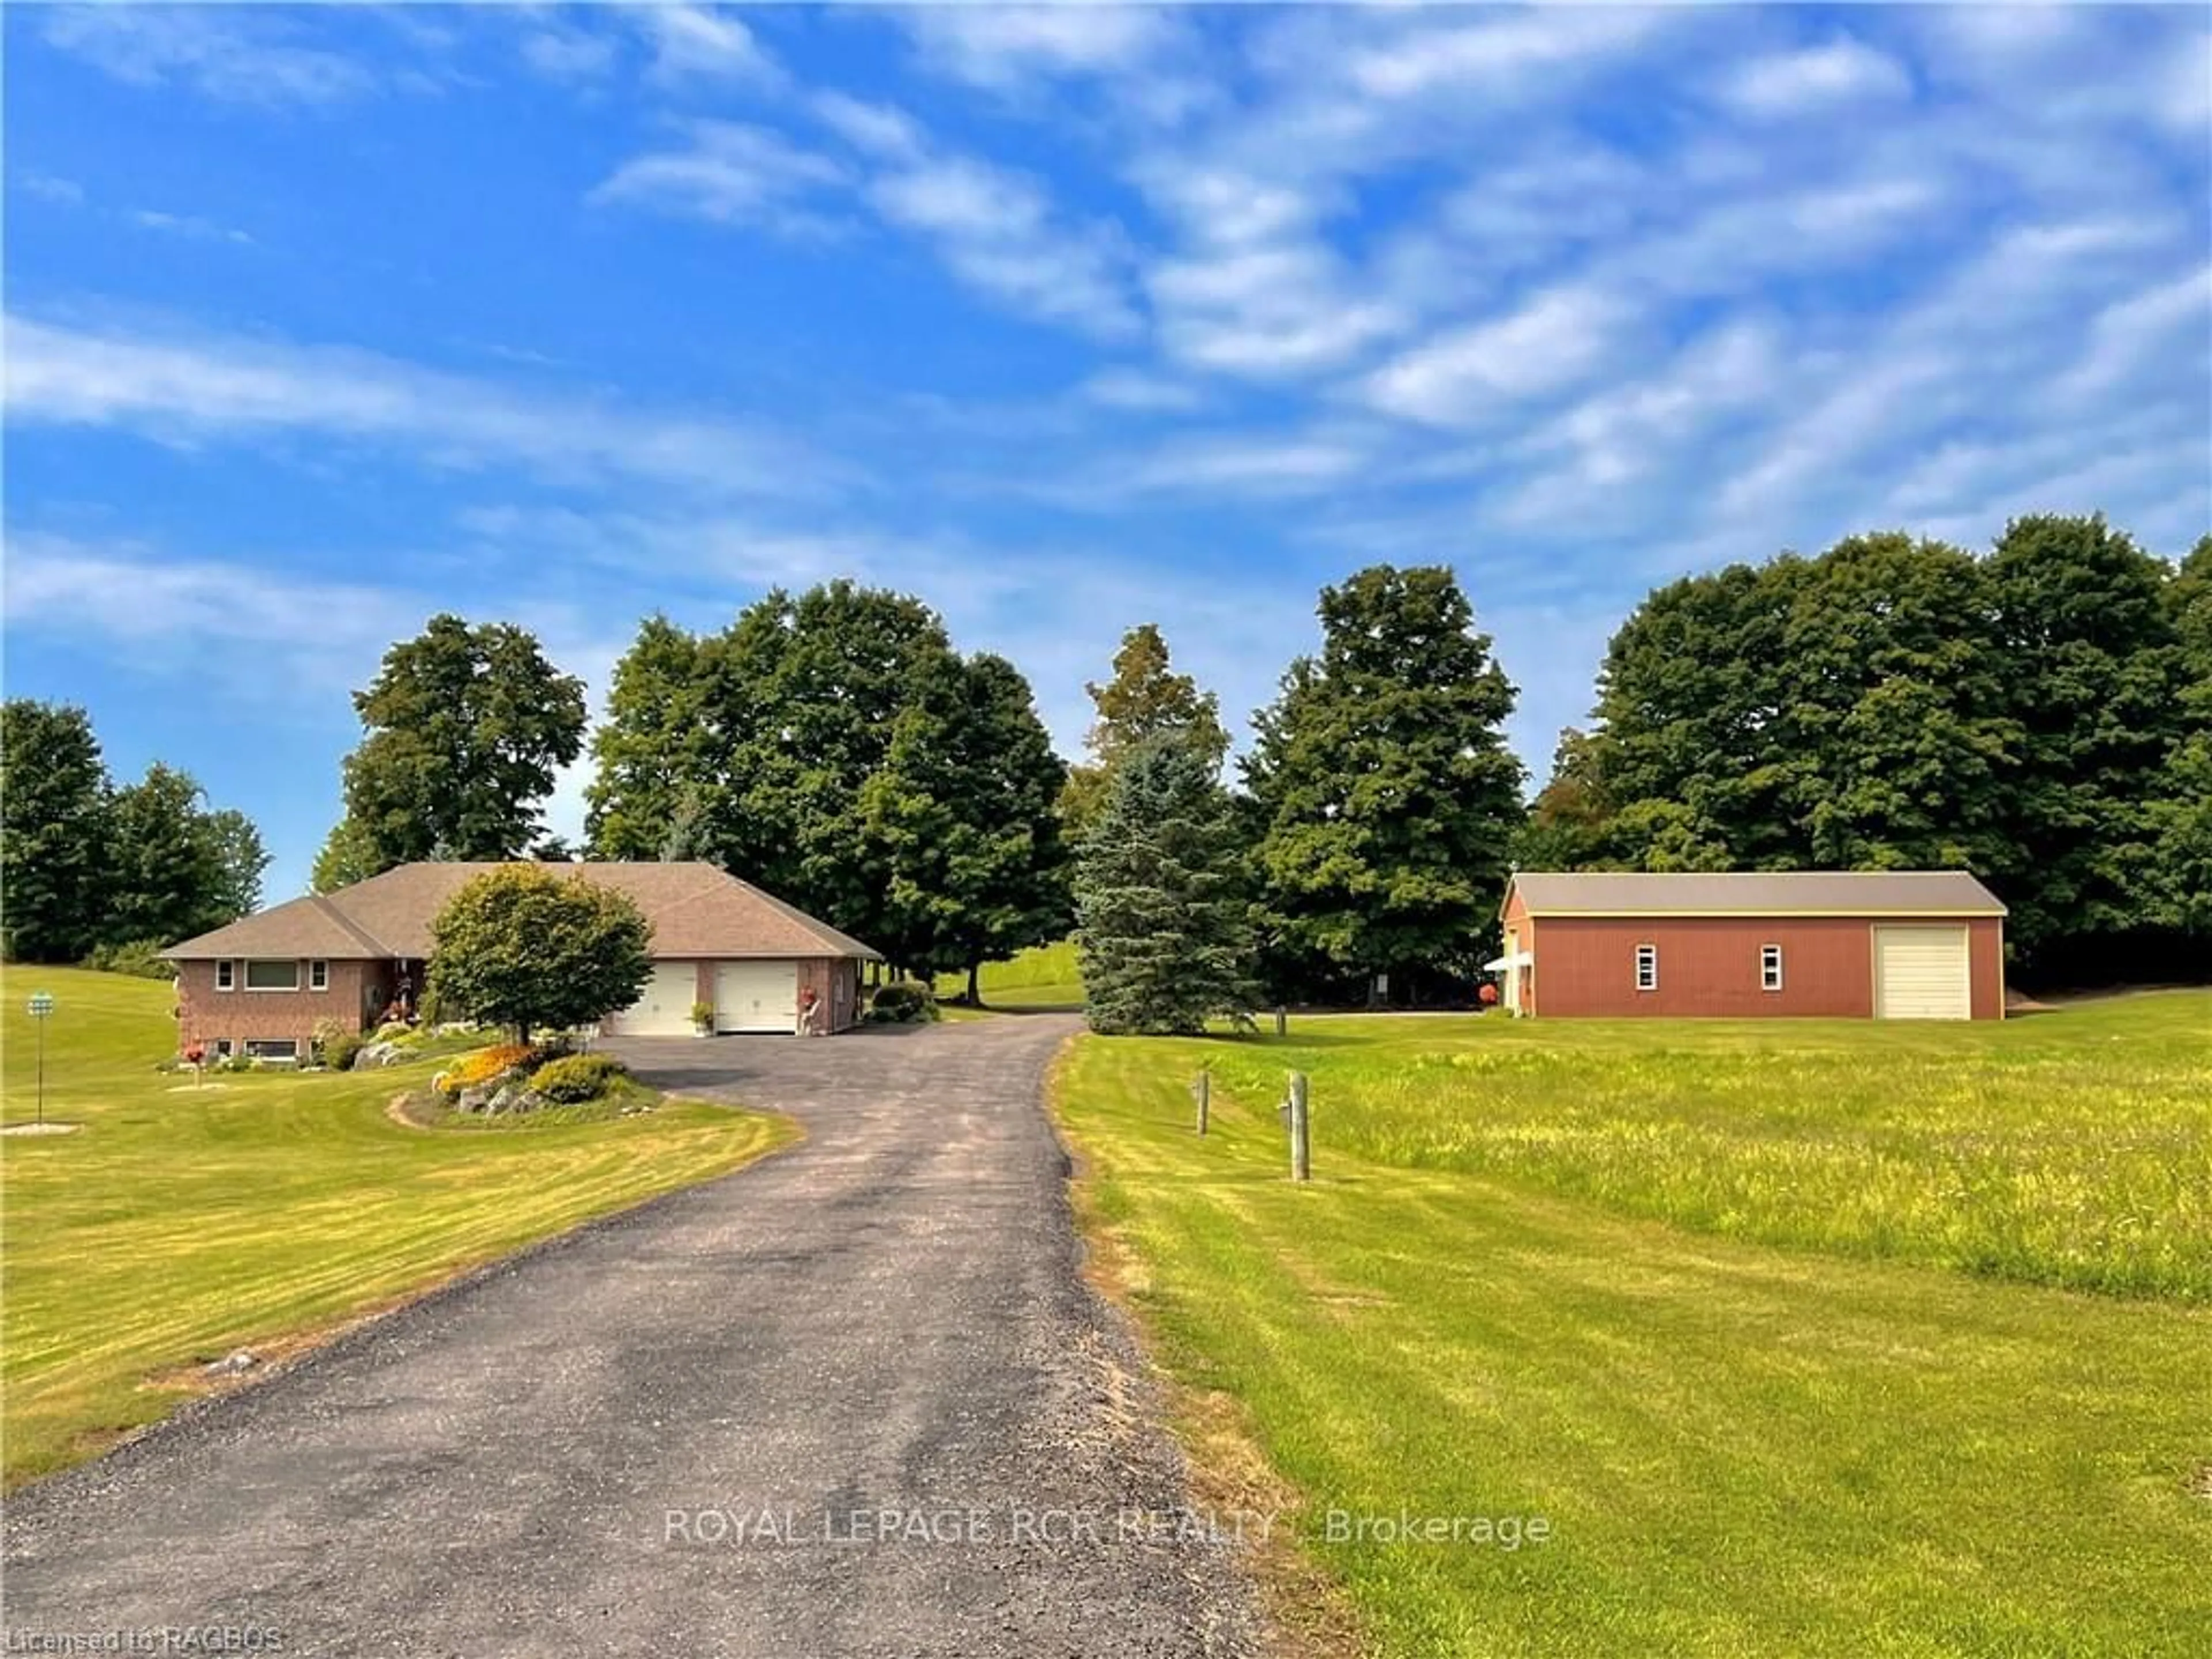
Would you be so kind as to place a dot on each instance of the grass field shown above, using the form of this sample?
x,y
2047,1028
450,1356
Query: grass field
x,y
1769,1321
181,1223
1044,977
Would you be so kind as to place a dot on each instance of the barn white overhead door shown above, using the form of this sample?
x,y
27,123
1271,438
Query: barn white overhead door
x,y
664,1008
1921,973
756,996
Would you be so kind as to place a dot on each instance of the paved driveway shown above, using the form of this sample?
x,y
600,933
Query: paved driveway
x,y
880,1331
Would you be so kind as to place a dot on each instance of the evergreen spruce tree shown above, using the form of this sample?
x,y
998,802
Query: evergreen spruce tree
x,y
1163,932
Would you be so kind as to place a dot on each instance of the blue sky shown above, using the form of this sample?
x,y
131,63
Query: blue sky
x,y
321,320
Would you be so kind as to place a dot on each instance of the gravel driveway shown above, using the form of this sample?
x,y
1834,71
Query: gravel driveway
x,y
853,1400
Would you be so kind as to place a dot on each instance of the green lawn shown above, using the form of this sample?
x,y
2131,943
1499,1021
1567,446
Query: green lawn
x,y
179,1223
1044,976
1766,1319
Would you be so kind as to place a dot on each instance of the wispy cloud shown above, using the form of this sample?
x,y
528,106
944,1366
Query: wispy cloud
x,y
1841,72
694,42
733,173
188,225
1556,340
995,228
200,388
1001,47
234,54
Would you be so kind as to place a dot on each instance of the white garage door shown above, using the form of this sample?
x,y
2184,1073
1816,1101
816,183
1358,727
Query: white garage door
x,y
1921,973
664,1008
756,996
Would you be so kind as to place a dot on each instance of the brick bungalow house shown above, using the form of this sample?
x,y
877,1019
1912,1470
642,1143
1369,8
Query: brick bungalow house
x,y
260,986
1835,944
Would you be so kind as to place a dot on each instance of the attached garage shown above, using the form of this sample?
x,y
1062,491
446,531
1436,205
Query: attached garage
x,y
664,1008
1923,973
1824,943
756,996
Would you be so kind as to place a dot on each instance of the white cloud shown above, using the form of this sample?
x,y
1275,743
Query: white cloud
x,y
174,388
1560,338
1842,71
49,188
2168,322
995,229
1134,389
127,593
576,56
733,173
703,42
188,225
1001,47
233,54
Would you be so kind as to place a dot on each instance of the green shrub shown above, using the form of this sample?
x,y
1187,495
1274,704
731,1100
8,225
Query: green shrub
x,y
338,1052
903,1002
139,957
576,1077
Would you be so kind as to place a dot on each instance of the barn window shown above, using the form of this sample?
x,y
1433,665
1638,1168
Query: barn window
x,y
1770,967
225,974
1647,967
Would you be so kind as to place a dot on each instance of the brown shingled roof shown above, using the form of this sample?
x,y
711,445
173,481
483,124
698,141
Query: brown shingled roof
x,y
1759,892
695,910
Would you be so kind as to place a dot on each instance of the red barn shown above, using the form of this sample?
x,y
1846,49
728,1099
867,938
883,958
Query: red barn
x,y
1829,943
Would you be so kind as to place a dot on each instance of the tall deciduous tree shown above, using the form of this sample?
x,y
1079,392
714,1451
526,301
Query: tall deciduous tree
x,y
2180,811
1567,823
524,947
1387,798
2092,666
178,869
466,729
1163,927
348,854
963,810
1145,699
55,854
652,749
753,747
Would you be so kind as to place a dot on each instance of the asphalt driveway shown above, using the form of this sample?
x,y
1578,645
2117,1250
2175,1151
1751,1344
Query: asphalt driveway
x,y
854,1400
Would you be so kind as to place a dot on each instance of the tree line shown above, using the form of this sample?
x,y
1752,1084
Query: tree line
x,y
2040,713
91,872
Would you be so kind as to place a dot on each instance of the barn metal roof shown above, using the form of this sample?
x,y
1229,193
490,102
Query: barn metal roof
x,y
1754,892
696,910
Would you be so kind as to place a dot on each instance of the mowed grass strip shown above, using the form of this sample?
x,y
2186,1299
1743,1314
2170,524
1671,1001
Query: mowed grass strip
x,y
1044,976
2073,1148
1740,1446
181,1222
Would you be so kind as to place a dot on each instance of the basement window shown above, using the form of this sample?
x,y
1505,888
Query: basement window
x,y
273,1049
1770,967
272,976
1647,967
319,976
226,975
222,1048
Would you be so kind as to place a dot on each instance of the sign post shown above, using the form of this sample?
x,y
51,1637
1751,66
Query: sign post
x,y
40,1007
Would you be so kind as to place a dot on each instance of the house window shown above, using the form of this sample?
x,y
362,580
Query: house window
x,y
226,975
222,1048
272,976
272,1048
1647,967
1770,967
319,976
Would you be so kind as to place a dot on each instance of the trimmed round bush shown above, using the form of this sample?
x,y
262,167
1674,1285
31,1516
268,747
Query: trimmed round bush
x,y
904,1002
577,1078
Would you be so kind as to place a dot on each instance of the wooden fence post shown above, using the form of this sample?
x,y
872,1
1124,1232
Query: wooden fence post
x,y
1301,1130
1282,1020
1204,1090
